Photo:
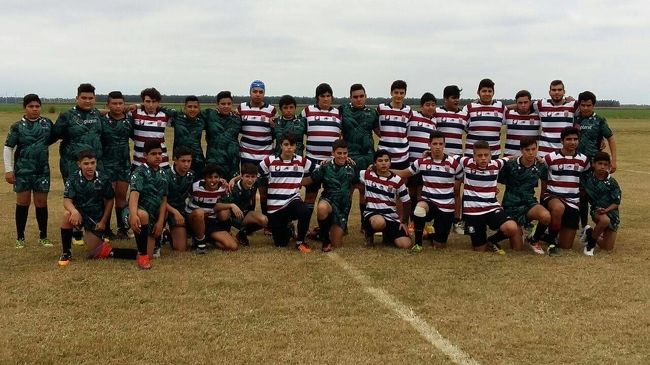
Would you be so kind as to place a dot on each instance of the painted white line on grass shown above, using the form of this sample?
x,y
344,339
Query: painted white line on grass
x,y
638,172
405,313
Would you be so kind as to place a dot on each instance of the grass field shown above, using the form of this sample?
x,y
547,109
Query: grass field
x,y
361,306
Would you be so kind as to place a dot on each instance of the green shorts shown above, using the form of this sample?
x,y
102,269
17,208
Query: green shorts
x,y
614,219
118,171
36,183
519,213
361,163
340,212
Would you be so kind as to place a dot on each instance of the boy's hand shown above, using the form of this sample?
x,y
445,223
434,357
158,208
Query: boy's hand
x,y
225,184
601,211
75,218
351,161
10,177
612,167
178,217
157,229
404,227
134,223
233,181
100,226
236,211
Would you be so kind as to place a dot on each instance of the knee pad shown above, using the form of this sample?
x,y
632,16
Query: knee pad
x,y
419,212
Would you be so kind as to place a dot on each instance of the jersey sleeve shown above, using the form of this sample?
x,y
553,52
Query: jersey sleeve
x,y
362,177
12,136
615,192
137,181
108,192
318,173
307,167
605,131
68,191
60,126
504,173
263,169
402,192
414,168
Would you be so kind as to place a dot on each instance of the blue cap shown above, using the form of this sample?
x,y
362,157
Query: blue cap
x,y
257,84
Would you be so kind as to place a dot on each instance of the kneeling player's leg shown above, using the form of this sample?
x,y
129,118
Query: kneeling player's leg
x,y
514,233
179,238
556,207
542,216
253,221
302,212
224,240
442,223
142,238
477,230
197,222
377,223
608,241
398,234
121,189
324,215
66,235
419,220
570,221
278,222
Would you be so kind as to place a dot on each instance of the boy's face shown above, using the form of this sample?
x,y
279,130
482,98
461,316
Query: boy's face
x,y
452,103
192,109
88,167
437,146
570,143
247,180
340,156
397,95
523,105
556,92
225,106
115,106
428,109
150,106
33,110
485,95
529,153
288,111
257,96
154,157
325,101
358,98
586,108
601,168
288,148
382,164
212,181
482,156
182,164
86,101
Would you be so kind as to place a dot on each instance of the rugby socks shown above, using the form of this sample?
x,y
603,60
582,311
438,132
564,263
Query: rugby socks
x,y
584,211
325,225
249,229
141,239
418,223
497,237
118,217
21,220
41,219
78,234
539,232
66,240
591,240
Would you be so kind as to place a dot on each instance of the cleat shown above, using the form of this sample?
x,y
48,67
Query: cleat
x,y
553,250
537,248
45,242
428,229
459,227
267,232
496,248
122,234
531,231
143,262
103,251
313,234
586,231
327,248
201,248
20,243
77,242
64,260
416,248
165,237
589,251
303,247
156,252
242,239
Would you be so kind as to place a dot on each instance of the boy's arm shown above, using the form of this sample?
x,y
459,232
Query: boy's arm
x,y
108,208
162,214
134,220
612,148
75,216
404,174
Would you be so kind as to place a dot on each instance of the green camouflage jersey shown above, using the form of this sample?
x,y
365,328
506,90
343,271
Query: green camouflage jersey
x,y
296,127
337,182
242,197
222,137
31,158
188,132
178,188
592,131
152,186
602,194
88,196
78,130
357,127
520,182
115,143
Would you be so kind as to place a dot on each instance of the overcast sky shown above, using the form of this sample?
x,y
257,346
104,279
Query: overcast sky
x,y
50,47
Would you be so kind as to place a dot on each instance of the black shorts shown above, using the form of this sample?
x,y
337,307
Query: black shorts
x,y
571,216
400,165
476,225
415,180
391,232
442,222
214,225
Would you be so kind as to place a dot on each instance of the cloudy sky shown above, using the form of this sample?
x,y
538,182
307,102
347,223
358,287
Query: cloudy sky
x,y
202,47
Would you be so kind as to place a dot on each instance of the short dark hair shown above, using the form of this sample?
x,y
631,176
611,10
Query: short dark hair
x,y
191,98
569,131
115,95
378,154
29,98
527,142
224,95
485,83
211,169
289,137
287,100
339,143
152,93
426,97
322,89
398,84
586,96
602,156
356,87
88,153
451,91
181,151
85,88
557,82
522,93
248,168
436,134
481,145
151,145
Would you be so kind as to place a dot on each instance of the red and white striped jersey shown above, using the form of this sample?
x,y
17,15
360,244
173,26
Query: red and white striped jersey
x,y
438,179
285,179
381,194
148,128
323,128
256,133
419,133
393,128
519,126
484,124
480,186
563,179
202,198
553,119
453,126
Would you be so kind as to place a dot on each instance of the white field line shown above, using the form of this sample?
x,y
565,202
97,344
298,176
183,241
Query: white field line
x,y
432,335
638,172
